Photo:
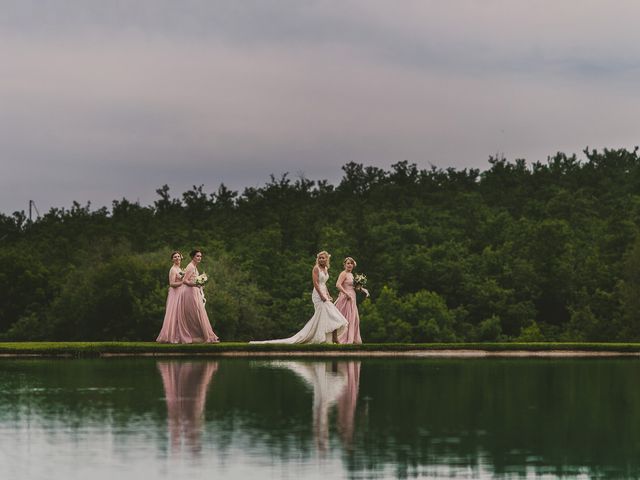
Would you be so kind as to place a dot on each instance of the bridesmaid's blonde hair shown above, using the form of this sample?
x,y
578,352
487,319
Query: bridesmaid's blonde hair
x,y
349,259
327,254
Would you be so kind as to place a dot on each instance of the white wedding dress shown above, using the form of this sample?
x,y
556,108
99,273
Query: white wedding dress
x,y
326,319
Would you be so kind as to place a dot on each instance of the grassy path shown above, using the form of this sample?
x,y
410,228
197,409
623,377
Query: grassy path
x,y
95,349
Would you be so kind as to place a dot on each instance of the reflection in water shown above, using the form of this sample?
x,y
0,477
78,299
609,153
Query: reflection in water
x,y
331,383
185,389
498,419
347,401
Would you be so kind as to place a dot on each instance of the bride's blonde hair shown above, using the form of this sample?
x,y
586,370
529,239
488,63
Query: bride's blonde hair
x,y
325,253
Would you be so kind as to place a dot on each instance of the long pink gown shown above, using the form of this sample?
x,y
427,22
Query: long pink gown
x,y
196,320
173,330
349,309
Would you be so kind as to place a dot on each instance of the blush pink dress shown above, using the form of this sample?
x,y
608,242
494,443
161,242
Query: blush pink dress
x,y
349,309
173,330
196,321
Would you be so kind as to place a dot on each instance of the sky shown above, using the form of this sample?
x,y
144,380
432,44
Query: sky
x,y
101,100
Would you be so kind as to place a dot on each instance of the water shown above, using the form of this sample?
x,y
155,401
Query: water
x,y
239,418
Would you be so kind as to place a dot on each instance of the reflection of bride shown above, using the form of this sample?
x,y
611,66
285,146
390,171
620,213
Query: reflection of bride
x,y
330,386
185,389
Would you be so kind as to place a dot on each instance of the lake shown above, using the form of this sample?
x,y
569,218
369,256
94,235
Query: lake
x,y
136,418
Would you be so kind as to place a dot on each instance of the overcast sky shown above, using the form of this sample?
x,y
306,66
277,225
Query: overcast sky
x,y
101,100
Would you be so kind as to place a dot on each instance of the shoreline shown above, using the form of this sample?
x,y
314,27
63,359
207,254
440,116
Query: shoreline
x,y
371,350
417,354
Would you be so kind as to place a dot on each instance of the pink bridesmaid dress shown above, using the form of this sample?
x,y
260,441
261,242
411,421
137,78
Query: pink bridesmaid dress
x,y
349,309
196,320
173,330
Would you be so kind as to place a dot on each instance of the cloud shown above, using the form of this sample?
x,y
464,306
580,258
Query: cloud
x,y
109,99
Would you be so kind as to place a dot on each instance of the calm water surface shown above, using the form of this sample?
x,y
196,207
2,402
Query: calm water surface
x,y
238,418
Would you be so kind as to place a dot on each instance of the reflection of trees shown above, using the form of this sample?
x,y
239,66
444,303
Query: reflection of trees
x,y
492,418
571,417
332,383
185,388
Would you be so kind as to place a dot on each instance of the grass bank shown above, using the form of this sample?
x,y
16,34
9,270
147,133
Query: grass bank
x,y
96,349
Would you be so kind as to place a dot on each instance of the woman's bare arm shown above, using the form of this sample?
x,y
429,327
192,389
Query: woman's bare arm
x,y
173,281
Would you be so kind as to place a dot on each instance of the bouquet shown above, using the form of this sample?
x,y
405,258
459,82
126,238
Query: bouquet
x,y
181,273
360,282
200,281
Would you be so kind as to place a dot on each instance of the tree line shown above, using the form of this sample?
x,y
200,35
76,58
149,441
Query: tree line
x,y
516,252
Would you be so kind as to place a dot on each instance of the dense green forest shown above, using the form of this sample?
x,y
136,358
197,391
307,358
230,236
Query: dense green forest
x,y
542,251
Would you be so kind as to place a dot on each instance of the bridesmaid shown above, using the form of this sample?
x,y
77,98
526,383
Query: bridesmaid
x,y
173,326
196,320
346,303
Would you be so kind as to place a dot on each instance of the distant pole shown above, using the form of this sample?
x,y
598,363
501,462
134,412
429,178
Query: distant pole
x,y
32,205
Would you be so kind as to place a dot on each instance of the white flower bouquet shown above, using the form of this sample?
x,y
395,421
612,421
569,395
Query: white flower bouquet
x,y
360,282
200,281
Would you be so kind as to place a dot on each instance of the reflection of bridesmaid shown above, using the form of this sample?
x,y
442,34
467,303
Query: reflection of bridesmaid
x,y
346,303
196,320
185,389
173,326
348,400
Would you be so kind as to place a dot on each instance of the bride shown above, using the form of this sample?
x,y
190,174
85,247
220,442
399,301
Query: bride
x,y
327,322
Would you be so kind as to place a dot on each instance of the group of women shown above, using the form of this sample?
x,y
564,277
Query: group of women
x,y
186,319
